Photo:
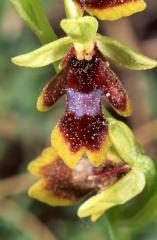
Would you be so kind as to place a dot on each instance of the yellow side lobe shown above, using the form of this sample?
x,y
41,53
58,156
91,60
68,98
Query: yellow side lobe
x,y
128,110
114,13
48,156
96,157
39,192
40,106
63,148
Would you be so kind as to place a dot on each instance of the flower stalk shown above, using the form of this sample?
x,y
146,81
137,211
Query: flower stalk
x,y
72,9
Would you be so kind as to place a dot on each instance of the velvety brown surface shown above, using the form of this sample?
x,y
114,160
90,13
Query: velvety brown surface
x,y
59,181
86,131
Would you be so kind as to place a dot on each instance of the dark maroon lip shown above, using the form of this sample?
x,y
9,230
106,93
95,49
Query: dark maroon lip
x,y
85,82
86,131
100,4
59,182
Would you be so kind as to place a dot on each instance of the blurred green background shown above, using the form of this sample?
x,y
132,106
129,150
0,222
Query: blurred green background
x,y
24,131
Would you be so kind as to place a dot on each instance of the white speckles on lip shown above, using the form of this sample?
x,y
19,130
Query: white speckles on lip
x,y
107,94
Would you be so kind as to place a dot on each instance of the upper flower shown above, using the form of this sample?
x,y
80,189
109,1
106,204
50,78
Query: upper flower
x,y
83,129
111,9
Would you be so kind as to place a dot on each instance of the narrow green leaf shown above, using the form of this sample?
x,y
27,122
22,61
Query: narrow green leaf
x,y
45,55
123,55
125,189
32,13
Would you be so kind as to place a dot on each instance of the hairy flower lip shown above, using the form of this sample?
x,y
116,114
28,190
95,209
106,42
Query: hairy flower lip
x,y
83,127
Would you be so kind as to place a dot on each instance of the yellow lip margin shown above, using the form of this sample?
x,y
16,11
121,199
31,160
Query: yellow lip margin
x,y
114,13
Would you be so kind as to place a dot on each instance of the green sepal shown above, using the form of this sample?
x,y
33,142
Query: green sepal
x,y
124,141
125,189
123,55
129,149
45,55
72,9
82,29
147,165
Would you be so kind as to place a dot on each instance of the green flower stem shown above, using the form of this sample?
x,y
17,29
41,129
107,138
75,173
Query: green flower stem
x,y
33,15
72,9
116,233
110,229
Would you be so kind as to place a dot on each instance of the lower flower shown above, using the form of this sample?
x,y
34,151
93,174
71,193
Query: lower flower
x,y
60,185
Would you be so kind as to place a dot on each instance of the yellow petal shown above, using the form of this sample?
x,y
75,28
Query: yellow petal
x,y
63,148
